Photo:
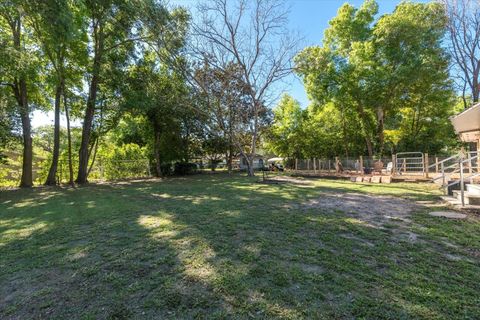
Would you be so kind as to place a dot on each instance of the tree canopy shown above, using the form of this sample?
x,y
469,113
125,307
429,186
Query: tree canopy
x,y
160,85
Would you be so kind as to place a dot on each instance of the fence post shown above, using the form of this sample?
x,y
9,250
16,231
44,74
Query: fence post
x,y
469,163
308,164
436,164
328,165
61,173
296,164
404,165
426,165
394,164
361,165
315,165
337,168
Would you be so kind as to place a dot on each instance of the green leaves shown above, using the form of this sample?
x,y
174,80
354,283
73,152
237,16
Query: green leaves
x,y
379,69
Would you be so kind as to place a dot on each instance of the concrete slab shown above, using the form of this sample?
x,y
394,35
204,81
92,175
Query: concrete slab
x,y
367,179
448,214
353,179
386,179
359,179
376,179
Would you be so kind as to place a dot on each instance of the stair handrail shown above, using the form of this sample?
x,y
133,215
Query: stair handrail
x,y
441,176
462,178
443,161
458,181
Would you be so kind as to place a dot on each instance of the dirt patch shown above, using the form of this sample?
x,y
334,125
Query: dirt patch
x,y
374,210
287,179
448,214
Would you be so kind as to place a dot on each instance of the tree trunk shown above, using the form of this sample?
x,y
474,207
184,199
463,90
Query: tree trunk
x,y
230,142
158,166
380,127
369,146
90,111
27,162
228,160
52,173
95,149
69,139
20,92
476,88
251,171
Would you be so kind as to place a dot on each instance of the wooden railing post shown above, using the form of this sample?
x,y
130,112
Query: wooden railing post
x,y
315,165
394,164
337,168
436,164
469,163
426,165
296,164
361,165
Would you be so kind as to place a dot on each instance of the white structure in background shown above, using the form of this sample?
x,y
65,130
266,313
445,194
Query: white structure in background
x,y
467,127
258,162
467,124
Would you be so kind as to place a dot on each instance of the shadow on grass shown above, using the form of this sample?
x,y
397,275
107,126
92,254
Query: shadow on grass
x,y
212,246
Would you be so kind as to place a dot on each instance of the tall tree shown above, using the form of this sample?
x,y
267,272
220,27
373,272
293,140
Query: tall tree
x,y
464,44
156,93
56,31
285,136
376,68
225,99
19,64
252,35
112,37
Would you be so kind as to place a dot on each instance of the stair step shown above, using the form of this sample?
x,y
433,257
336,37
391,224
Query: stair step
x,y
473,199
473,189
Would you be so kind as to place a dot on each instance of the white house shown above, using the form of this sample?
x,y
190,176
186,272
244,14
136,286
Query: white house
x,y
258,162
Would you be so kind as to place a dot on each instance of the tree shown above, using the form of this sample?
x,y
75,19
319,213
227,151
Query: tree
x,y
56,29
254,37
377,68
111,40
159,95
214,148
224,103
285,136
464,44
19,64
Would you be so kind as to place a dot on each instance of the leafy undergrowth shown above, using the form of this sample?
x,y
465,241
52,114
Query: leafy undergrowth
x,y
214,246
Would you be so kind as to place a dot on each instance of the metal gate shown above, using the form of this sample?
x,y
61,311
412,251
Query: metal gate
x,y
410,162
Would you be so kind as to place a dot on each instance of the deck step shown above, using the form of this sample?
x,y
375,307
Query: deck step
x,y
473,189
472,199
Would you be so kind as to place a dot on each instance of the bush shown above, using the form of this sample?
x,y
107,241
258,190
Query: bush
x,y
184,168
166,169
126,161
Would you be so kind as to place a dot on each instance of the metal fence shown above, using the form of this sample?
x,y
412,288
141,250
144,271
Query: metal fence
x,y
107,169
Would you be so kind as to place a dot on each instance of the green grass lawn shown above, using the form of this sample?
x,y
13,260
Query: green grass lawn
x,y
214,246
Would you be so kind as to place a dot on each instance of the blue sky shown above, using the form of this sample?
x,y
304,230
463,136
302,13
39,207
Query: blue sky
x,y
309,17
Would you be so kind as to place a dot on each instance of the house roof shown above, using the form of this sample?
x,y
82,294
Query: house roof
x,y
467,124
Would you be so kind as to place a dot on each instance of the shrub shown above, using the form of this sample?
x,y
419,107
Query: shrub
x,y
166,169
184,168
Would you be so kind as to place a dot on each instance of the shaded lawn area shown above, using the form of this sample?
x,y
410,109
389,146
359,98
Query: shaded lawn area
x,y
214,246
